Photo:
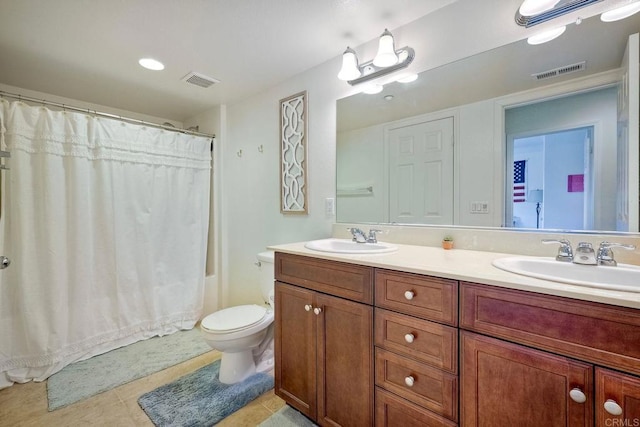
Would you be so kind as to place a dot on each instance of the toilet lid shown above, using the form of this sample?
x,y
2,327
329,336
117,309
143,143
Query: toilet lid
x,y
234,318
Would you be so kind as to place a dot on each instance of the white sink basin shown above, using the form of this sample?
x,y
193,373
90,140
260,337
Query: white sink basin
x,y
344,246
623,277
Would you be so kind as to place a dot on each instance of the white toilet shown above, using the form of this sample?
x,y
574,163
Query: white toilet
x,y
244,334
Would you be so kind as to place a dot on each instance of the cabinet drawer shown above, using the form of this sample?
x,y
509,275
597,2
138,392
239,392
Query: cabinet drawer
x,y
354,282
598,333
428,342
392,411
426,297
432,389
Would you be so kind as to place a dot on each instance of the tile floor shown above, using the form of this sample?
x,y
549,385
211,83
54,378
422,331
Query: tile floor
x,y
26,404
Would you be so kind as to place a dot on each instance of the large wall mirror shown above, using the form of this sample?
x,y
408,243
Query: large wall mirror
x,y
520,136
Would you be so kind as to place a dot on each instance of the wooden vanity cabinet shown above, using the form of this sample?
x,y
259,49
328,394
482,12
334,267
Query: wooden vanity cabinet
x,y
505,384
416,349
447,351
560,366
324,339
617,399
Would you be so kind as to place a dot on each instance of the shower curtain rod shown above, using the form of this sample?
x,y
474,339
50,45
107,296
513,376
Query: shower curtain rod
x,y
169,127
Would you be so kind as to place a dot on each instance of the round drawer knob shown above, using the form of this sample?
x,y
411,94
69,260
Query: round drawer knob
x,y
409,295
409,381
409,338
308,307
612,407
577,395
317,310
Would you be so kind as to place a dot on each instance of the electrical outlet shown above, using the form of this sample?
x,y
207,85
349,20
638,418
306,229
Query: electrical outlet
x,y
479,207
330,206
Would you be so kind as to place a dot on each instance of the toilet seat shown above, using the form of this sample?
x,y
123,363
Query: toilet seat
x,y
234,319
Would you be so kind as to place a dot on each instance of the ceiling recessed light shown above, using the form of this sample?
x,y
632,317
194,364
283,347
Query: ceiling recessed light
x,y
546,36
151,64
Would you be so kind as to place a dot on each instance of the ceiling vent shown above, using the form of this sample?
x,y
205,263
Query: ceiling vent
x,y
560,71
200,79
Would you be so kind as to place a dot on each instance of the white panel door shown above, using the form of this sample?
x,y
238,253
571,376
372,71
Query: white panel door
x,y
421,173
627,198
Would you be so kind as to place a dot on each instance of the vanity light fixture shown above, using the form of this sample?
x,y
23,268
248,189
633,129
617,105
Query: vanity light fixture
x,y
547,35
534,12
151,64
536,7
350,69
388,60
386,56
621,12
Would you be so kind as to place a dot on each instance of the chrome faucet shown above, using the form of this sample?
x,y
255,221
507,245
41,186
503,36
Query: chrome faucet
x,y
605,254
358,235
585,254
565,253
372,236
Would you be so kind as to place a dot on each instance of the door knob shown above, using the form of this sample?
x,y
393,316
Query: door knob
x,y
409,338
577,395
612,407
409,295
409,381
308,307
317,310
4,262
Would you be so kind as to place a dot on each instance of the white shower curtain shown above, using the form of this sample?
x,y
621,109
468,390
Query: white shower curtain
x,y
106,227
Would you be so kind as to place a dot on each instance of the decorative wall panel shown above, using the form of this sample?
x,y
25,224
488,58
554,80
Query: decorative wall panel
x,y
293,156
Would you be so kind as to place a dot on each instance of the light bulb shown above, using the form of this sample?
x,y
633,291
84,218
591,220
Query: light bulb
x,y
386,56
535,7
621,12
349,70
408,78
546,36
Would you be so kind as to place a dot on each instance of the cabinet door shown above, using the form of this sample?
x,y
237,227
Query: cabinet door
x,y
617,399
295,348
345,362
505,384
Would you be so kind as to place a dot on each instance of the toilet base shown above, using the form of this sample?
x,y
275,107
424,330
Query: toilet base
x,y
236,366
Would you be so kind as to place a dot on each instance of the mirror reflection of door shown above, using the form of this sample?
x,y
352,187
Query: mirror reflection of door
x,y
628,191
577,177
421,173
552,180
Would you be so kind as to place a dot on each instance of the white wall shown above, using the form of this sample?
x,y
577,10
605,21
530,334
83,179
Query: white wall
x,y
247,187
249,199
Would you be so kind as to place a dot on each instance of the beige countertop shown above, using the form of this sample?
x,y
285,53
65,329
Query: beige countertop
x,y
466,265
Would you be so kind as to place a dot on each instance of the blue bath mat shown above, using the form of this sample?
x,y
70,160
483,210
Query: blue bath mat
x,y
84,379
199,399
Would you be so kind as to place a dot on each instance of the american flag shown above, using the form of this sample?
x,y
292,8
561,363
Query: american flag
x,y
519,184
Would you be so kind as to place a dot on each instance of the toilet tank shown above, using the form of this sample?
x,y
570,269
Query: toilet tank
x,y
265,265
